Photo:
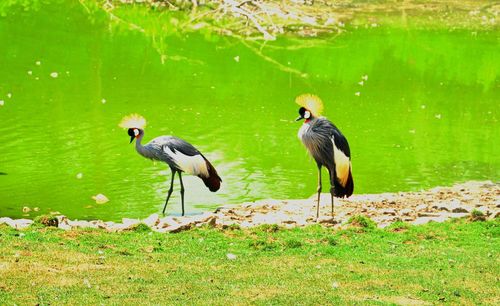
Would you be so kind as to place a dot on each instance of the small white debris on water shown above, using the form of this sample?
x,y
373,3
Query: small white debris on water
x,y
67,72
36,208
362,83
412,131
100,198
374,25
103,101
54,74
357,94
438,116
2,102
79,175
365,77
37,78
237,59
422,106
9,95
231,256
38,63
30,72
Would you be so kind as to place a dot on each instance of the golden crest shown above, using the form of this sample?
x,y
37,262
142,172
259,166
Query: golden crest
x,y
133,121
311,102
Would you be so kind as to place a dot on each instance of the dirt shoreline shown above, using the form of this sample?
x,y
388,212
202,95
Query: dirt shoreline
x,y
437,204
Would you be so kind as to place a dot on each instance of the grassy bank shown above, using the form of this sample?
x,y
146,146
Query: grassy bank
x,y
455,262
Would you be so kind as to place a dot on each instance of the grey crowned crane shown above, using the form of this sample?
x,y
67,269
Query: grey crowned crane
x,y
179,155
327,146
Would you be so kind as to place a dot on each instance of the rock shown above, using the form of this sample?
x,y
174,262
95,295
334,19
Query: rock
x,y
167,221
130,223
327,220
424,220
152,220
177,228
461,209
64,226
421,207
389,211
428,214
5,220
81,224
19,223
405,212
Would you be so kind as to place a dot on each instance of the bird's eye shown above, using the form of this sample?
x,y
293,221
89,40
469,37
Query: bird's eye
x,y
136,132
307,114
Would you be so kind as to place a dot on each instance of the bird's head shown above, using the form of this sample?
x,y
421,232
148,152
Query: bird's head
x,y
135,124
304,113
310,106
134,133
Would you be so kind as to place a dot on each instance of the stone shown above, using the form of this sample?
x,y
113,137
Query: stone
x,y
19,223
427,214
5,220
177,228
405,212
424,220
152,220
130,222
421,207
389,211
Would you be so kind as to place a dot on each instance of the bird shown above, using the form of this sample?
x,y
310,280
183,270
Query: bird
x,y
177,153
327,145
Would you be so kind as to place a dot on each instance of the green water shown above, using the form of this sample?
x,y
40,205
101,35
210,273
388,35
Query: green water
x,y
426,116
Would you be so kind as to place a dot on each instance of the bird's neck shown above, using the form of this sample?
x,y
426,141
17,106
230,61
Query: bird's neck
x,y
138,146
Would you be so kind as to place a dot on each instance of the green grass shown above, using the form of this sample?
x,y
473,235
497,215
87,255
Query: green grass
x,y
455,262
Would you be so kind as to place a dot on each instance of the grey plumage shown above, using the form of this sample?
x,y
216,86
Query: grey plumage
x,y
181,157
330,149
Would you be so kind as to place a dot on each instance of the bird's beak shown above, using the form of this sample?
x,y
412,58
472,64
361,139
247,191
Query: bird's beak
x,y
132,139
299,118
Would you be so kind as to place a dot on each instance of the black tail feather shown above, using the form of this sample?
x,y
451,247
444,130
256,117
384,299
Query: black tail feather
x,y
213,180
344,191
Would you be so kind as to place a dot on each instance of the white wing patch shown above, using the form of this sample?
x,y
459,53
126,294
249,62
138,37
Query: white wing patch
x,y
342,164
195,165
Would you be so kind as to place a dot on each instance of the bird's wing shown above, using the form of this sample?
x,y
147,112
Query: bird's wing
x,y
185,157
340,142
177,144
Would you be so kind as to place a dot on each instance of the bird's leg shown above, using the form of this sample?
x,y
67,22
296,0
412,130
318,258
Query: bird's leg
x,y
182,192
332,202
319,190
170,190
332,188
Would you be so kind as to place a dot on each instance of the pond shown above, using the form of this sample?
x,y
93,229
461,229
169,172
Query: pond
x,y
418,106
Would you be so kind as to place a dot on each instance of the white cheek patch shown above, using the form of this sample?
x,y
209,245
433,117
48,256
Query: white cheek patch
x,y
307,115
136,132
